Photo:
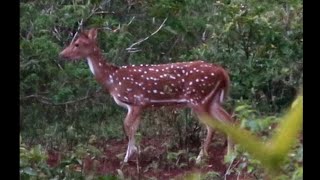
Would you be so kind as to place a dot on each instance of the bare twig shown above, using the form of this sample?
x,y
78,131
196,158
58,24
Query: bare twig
x,y
104,12
79,27
203,38
225,175
131,20
45,100
173,45
132,49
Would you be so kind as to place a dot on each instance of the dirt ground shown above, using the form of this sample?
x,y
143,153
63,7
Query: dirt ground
x,y
152,162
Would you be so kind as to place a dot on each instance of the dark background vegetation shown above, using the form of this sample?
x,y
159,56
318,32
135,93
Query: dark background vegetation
x,y
62,108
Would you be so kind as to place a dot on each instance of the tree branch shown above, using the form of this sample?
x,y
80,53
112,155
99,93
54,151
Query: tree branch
x,y
79,27
131,49
48,101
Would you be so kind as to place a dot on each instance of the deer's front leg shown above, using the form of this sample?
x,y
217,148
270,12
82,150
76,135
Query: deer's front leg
x,y
131,124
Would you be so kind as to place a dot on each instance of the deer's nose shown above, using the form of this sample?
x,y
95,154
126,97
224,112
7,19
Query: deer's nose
x,y
62,54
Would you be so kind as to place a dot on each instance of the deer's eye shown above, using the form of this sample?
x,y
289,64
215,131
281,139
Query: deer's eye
x,y
76,45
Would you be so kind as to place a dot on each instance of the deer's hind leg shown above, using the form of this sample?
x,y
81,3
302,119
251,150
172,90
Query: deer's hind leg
x,y
199,110
218,112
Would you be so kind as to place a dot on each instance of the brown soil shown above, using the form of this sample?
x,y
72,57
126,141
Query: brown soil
x,y
152,162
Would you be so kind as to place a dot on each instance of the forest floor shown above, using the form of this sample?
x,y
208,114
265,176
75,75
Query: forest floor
x,y
153,162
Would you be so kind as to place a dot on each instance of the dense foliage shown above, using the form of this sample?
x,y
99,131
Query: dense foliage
x,y
61,106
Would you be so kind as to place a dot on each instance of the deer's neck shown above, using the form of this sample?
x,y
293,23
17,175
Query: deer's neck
x,y
102,70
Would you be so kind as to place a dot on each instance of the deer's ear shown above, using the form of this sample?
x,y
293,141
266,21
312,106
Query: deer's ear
x,y
92,34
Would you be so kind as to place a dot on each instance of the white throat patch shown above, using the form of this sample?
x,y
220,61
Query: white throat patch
x,y
90,65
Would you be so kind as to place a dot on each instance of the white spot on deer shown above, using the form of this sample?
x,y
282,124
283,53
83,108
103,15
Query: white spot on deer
x,y
202,80
157,70
155,91
202,71
125,98
145,72
178,75
212,74
134,70
161,76
100,64
119,83
155,83
161,92
139,70
172,77
167,68
149,91
191,72
172,84
206,77
129,89
193,90
197,80
182,80
190,83
124,78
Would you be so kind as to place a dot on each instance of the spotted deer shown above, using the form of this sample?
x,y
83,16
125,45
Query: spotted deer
x,y
197,85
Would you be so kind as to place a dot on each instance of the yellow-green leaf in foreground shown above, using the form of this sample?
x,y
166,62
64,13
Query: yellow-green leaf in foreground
x,y
272,153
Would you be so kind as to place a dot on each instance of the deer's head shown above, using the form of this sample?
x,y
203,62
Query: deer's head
x,y
82,47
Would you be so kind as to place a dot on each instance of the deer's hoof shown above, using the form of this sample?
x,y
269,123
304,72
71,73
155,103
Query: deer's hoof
x,y
130,151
